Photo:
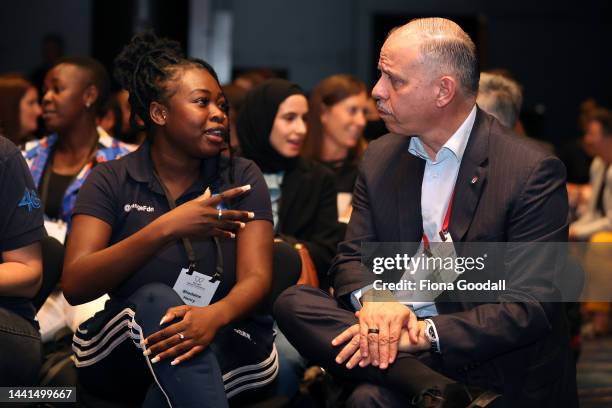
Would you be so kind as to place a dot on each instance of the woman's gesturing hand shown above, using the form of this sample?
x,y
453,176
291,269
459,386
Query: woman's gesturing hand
x,y
192,333
199,218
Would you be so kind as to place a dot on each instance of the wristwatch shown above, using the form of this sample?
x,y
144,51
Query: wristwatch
x,y
432,336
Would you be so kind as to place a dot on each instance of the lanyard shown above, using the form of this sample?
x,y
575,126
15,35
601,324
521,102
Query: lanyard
x,y
445,223
187,242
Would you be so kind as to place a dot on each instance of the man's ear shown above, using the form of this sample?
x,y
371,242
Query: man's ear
x,y
90,96
446,89
158,113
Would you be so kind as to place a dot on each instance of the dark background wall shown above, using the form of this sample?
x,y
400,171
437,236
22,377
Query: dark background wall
x,y
559,50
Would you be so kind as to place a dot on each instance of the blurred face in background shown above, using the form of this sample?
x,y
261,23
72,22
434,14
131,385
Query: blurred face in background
x,y
343,122
289,128
64,96
29,112
595,142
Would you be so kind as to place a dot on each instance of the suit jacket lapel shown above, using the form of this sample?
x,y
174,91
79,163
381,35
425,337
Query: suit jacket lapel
x,y
471,178
408,180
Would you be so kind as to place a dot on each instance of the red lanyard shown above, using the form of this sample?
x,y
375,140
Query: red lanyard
x,y
445,223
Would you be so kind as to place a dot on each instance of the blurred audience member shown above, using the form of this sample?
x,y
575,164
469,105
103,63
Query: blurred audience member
x,y
575,154
19,108
271,128
21,229
132,129
75,93
337,118
501,97
252,78
111,117
235,96
598,213
52,49
76,89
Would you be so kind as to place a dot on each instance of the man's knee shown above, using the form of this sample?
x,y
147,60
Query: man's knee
x,y
290,302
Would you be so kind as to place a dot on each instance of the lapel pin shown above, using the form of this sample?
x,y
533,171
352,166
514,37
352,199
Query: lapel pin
x,y
474,179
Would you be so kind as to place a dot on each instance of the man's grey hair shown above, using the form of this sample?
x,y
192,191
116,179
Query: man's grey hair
x,y
444,44
501,97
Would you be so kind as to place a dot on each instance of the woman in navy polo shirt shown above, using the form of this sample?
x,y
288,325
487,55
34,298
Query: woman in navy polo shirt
x,y
180,237
21,229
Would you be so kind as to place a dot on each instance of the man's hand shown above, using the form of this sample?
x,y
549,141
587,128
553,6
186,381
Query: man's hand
x,y
388,318
352,352
422,343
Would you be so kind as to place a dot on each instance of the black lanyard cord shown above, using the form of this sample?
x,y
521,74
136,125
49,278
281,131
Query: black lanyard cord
x,y
187,242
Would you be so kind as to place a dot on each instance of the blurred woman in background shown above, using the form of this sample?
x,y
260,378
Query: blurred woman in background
x,y
337,118
75,92
271,130
19,108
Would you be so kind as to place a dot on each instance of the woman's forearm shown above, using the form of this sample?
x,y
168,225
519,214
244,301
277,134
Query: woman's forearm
x,y
89,276
243,298
18,279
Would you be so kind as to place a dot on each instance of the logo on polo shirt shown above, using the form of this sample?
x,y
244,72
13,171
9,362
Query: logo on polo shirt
x,y
138,207
30,199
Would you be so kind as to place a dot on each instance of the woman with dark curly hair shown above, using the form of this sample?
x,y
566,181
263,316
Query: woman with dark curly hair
x,y
180,237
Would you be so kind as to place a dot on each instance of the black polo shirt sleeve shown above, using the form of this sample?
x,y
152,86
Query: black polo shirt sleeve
x,y
98,195
257,199
21,218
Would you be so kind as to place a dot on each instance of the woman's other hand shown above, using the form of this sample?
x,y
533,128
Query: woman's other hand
x,y
191,334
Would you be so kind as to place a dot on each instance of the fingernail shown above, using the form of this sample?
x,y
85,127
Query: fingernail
x,y
338,360
146,352
143,342
175,362
390,361
246,187
242,225
232,235
251,214
361,363
383,366
333,342
163,320
155,359
348,365
375,363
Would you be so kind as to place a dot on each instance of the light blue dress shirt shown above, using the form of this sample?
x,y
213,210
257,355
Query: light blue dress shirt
x,y
438,184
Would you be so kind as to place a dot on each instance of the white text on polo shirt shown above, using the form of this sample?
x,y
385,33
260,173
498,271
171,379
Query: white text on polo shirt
x,y
137,207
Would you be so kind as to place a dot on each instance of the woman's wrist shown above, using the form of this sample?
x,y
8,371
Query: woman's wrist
x,y
163,229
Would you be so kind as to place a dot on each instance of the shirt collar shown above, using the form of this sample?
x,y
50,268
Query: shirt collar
x,y
140,167
455,144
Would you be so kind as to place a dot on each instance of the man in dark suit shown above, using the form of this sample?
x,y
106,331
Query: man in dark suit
x,y
443,153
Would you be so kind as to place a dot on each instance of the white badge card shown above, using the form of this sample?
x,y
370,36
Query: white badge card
x,y
196,289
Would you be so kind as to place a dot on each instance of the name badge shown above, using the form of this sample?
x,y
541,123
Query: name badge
x,y
196,289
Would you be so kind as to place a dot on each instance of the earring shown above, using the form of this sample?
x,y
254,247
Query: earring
x,y
164,115
87,105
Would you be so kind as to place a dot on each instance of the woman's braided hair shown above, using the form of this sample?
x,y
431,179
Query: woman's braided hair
x,y
145,66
